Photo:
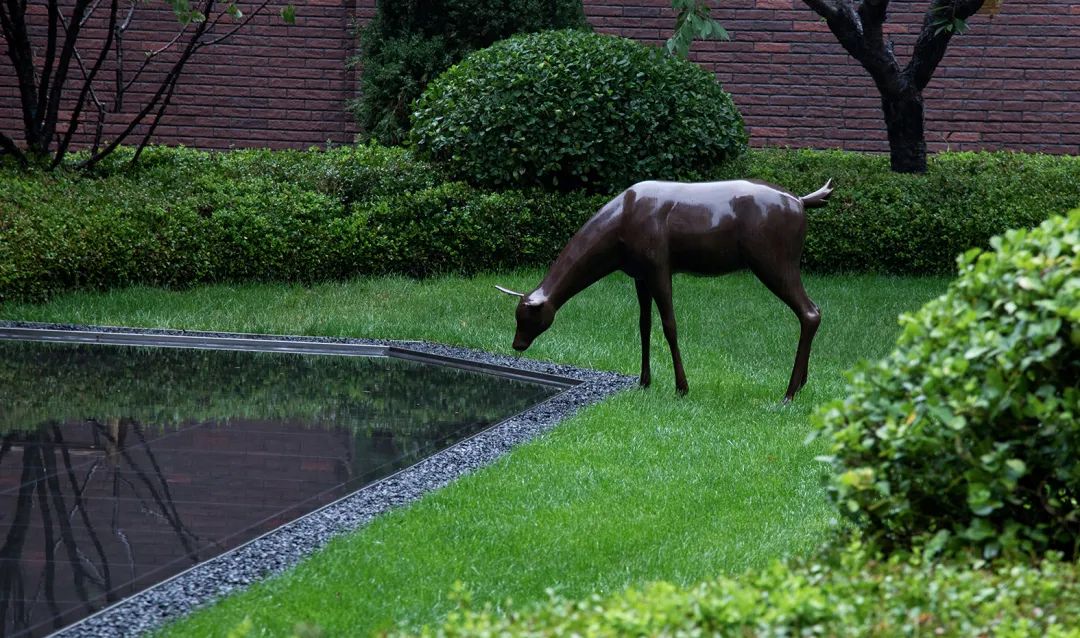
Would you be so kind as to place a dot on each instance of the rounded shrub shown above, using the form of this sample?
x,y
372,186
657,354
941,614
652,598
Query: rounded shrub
x,y
967,437
570,109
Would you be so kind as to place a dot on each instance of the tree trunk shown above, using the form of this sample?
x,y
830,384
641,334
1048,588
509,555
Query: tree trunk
x,y
907,137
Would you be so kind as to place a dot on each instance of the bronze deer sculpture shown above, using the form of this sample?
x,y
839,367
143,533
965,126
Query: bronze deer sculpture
x,y
654,229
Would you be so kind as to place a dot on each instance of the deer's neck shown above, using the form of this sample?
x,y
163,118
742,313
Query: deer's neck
x,y
587,258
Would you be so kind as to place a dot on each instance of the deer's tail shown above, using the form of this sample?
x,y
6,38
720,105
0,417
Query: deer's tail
x,y
818,198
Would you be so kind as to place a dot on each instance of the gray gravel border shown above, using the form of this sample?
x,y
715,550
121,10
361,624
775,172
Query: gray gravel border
x,y
284,547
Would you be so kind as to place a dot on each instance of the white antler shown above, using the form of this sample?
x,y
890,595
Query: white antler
x,y
510,292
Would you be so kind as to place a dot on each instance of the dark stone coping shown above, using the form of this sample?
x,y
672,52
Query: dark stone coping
x,y
280,549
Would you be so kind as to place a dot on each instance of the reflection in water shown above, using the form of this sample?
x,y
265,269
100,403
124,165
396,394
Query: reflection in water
x,y
121,466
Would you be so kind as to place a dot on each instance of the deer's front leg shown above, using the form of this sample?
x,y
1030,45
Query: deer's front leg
x,y
644,298
660,286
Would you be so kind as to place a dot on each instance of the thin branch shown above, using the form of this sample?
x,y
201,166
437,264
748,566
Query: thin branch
x,y
65,454
150,55
90,12
169,80
20,51
56,90
933,41
118,91
239,26
154,123
825,8
88,83
12,149
99,105
50,59
874,11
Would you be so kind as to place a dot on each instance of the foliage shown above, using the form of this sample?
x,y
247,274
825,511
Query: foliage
x,y
55,100
848,595
183,216
410,42
967,435
693,22
638,488
881,221
570,109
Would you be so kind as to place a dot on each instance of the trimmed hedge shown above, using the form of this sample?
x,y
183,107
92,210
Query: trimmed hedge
x,y
183,216
848,596
572,109
967,436
889,222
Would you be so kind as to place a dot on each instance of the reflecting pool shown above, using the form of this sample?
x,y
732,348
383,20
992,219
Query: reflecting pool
x,y
121,466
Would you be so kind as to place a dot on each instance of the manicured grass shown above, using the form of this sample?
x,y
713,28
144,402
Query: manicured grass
x,y
644,486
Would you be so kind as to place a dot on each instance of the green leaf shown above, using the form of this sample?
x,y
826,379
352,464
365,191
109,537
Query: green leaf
x,y
288,14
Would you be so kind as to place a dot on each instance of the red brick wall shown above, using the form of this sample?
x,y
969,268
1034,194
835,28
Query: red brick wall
x,y
270,85
1012,83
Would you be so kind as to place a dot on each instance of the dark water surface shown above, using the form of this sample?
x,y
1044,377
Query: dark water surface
x,y
121,466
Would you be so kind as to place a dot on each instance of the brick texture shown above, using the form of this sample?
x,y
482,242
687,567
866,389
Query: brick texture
x,y
1011,83
271,84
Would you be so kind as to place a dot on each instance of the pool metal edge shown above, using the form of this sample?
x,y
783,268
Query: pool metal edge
x,y
278,550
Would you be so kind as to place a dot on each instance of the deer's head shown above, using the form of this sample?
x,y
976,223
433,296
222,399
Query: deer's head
x,y
534,315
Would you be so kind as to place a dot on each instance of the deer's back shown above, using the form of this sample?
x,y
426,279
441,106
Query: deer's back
x,y
707,227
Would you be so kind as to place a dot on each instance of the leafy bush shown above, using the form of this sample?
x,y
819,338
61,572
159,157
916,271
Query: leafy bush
x,y
410,42
849,596
184,216
913,224
570,109
968,434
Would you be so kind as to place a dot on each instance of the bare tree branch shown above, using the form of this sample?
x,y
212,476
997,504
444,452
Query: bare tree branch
x,y
13,24
165,87
71,36
118,90
50,59
932,43
237,27
825,8
150,55
874,11
9,147
90,12
88,83
154,123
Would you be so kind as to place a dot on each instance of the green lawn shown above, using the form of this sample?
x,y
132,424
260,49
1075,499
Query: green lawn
x,y
645,486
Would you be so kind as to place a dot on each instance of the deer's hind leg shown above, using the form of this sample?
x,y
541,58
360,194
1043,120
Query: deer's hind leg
x,y
787,285
645,325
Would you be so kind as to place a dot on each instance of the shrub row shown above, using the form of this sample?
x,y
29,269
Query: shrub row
x,y
849,596
914,224
185,216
